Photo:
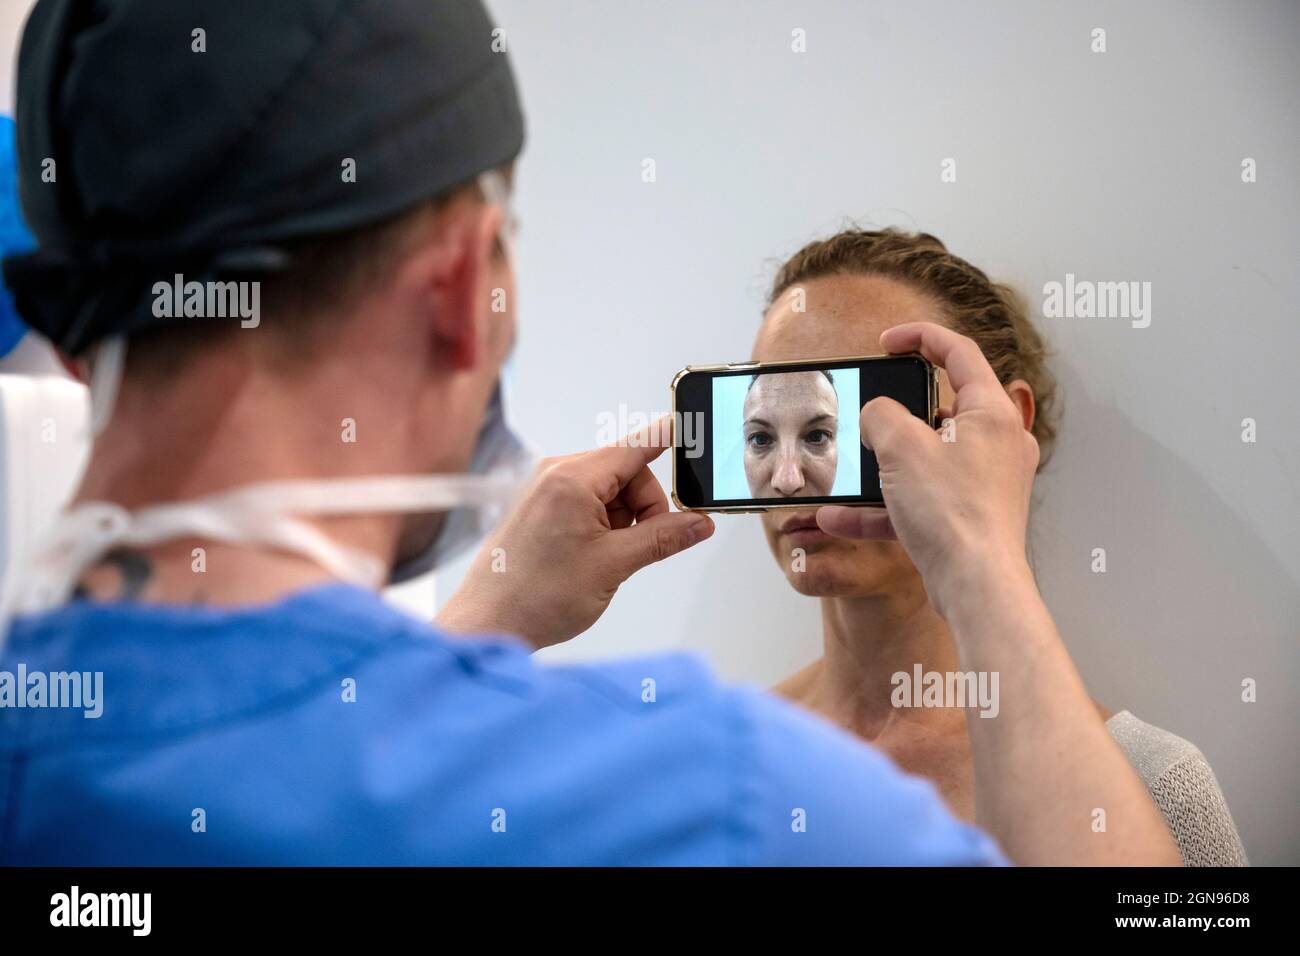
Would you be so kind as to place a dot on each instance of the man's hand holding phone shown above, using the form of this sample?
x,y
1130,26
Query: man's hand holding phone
x,y
956,499
586,523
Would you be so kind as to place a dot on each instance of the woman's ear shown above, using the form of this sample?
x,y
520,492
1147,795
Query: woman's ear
x,y
1023,397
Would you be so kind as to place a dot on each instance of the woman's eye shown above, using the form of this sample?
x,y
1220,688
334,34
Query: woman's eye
x,y
760,439
818,436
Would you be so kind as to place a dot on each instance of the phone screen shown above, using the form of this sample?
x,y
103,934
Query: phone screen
x,y
787,434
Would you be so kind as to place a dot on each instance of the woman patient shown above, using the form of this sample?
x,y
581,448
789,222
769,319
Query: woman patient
x,y
834,298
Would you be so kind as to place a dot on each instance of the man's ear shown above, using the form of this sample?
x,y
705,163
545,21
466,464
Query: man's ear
x,y
1023,397
460,284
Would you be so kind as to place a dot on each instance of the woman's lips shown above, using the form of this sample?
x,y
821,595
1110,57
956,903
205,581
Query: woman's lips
x,y
802,529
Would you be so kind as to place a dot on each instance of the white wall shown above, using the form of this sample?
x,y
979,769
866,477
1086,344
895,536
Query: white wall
x,y
12,15
1123,165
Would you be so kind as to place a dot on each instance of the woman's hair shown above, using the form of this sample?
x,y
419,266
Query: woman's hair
x,y
992,314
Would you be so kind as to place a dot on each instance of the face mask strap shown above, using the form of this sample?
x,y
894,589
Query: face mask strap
x,y
268,514
105,381
77,539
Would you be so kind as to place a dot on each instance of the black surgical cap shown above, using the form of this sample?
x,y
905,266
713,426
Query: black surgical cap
x,y
170,160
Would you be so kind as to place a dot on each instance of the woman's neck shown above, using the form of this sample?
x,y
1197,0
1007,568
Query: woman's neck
x,y
867,640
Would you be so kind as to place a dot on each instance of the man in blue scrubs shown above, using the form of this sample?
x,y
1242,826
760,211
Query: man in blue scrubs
x,y
277,242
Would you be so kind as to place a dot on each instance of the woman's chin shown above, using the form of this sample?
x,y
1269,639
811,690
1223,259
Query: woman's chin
x,y
822,576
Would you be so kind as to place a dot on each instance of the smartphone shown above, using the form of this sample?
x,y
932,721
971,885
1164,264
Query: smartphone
x,y
755,436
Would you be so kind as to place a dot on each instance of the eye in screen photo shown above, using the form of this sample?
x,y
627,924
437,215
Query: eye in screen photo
x,y
787,435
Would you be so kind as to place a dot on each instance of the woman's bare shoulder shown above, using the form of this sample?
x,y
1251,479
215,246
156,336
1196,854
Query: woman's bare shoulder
x,y
798,685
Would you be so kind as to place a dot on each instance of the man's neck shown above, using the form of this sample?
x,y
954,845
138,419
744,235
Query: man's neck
x,y
221,428
196,572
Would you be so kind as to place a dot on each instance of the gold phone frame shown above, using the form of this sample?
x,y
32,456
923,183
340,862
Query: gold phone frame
x,y
932,393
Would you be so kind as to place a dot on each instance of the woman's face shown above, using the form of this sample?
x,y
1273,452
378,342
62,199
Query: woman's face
x,y
791,419
843,315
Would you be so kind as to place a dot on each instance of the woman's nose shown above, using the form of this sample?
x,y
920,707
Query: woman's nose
x,y
787,478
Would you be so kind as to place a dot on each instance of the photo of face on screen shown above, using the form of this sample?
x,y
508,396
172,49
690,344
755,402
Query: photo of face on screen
x,y
787,435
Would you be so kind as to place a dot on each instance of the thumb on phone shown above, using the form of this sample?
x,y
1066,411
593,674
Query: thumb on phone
x,y
865,522
886,428
657,538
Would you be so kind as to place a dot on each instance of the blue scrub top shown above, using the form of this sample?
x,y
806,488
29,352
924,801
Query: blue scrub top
x,y
332,728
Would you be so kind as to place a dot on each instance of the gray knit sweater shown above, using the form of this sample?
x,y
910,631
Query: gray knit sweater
x,y
1184,788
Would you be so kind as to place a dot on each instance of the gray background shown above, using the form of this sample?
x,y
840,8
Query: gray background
x,y
1116,166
